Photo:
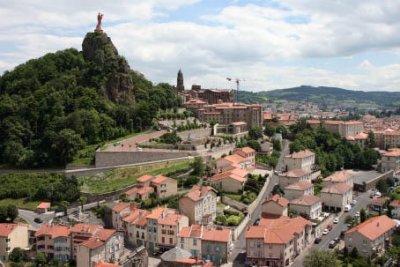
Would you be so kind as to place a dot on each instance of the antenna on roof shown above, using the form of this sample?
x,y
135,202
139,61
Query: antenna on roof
x,y
237,81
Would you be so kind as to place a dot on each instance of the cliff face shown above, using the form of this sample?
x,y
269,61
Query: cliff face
x,y
98,48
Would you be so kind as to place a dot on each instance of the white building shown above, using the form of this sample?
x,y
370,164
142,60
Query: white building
x,y
337,196
309,205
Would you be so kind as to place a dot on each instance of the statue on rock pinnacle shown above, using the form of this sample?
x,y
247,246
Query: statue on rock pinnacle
x,y
99,18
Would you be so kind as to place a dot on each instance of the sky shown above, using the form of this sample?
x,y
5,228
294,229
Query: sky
x,y
268,44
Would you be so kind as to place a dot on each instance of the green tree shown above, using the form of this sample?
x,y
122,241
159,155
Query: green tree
x,y
363,215
12,212
41,259
255,133
3,214
276,144
269,130
198,166
65,204
382,187
371,141
354,253
82,201
320,258
254,144
65,145
17,255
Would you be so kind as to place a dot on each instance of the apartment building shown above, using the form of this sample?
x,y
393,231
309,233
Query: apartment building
x,y
216,244
303,160
370,237
391,160
391,139
337,196
228,113
162,226
106,246
299,189
82,232
277,241
233,161
309,206
199,205
136,227
12,235
120,211
345,177
343,128
164,186
54,241
275,205
294,176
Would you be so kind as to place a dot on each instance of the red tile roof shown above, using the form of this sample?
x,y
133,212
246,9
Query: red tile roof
x,y
301,154
394,152
339,177
120,207
296,173
7,228
141,190
105,234
307,200
302,185
228,175
281,201
92,243
44,205
145,178
195,230
161,179
217,235
199,192
338,188
86,228
278,230
235,158
53,231
374,227
105,264
247,150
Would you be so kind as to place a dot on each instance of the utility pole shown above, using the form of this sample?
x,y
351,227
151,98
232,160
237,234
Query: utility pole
x,y
237,81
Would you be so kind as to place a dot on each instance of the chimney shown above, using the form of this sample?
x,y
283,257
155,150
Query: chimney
x,y
133,206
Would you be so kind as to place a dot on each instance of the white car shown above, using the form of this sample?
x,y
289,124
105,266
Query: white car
x,y
354,202
357,214
377,194
336,220
347,208
325,232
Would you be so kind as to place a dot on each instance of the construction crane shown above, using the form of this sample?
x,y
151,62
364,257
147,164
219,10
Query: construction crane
x,y
237,81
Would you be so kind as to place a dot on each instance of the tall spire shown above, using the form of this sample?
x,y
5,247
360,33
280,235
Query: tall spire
x,y
180,87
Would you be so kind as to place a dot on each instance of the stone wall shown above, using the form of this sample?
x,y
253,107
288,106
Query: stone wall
x,y
107,159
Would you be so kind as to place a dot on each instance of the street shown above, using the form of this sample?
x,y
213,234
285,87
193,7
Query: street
x,y
238,253
362,202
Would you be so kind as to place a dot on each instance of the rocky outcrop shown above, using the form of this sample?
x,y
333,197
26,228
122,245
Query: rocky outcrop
x,y
97,47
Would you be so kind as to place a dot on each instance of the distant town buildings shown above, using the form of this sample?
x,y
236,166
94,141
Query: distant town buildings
x,y
346,129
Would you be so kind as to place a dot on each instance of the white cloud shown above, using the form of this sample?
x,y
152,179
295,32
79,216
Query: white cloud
x,y
239,41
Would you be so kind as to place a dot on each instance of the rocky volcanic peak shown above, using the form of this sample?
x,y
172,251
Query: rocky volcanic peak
x,y
98,48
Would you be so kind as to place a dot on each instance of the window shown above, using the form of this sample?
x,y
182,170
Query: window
x,y
162,239
217,248
170,241
182,240
194,242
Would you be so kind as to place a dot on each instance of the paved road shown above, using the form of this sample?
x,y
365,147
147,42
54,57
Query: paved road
x,y
238,253
29,217
362,202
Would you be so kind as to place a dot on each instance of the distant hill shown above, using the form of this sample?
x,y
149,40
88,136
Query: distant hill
x,y
326,96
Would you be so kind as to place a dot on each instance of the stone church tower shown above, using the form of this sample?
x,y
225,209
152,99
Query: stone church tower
x,y
180,87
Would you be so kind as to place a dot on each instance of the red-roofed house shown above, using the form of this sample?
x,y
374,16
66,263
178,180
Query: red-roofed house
x,y
337,196
12,236
395,204
139,192
371,236
277,241
391,160
82,232
119,212
136,227
199,205
339,177
107,245
300,160
299,189
54,241
230,181
309,206
43,207
164,186
233,161
294,176
105,264
276,205
248,153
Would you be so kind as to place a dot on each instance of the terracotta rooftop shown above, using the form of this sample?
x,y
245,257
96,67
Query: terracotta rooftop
x,y
199,192
216,235
195,230
120,207
141,190
105,264
313,121
246,150
228,175
394,152
339,177
374,227
338,188
301,154
161,179
277,230
53,231
281,201
105,234
296,173
307,200
235,158
145,178
92,243
44,205
7,228
303,185
86,228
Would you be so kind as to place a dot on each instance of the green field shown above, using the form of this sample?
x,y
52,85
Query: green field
x,y
20,203
123,177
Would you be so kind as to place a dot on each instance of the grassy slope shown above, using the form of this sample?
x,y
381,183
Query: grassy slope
x,y
20,203
123,177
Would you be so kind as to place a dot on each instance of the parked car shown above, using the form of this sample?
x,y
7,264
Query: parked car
x,y
342,234
354,202
337,240
347,208
357,214
336,220
325,232
332,244
317,240
37,220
